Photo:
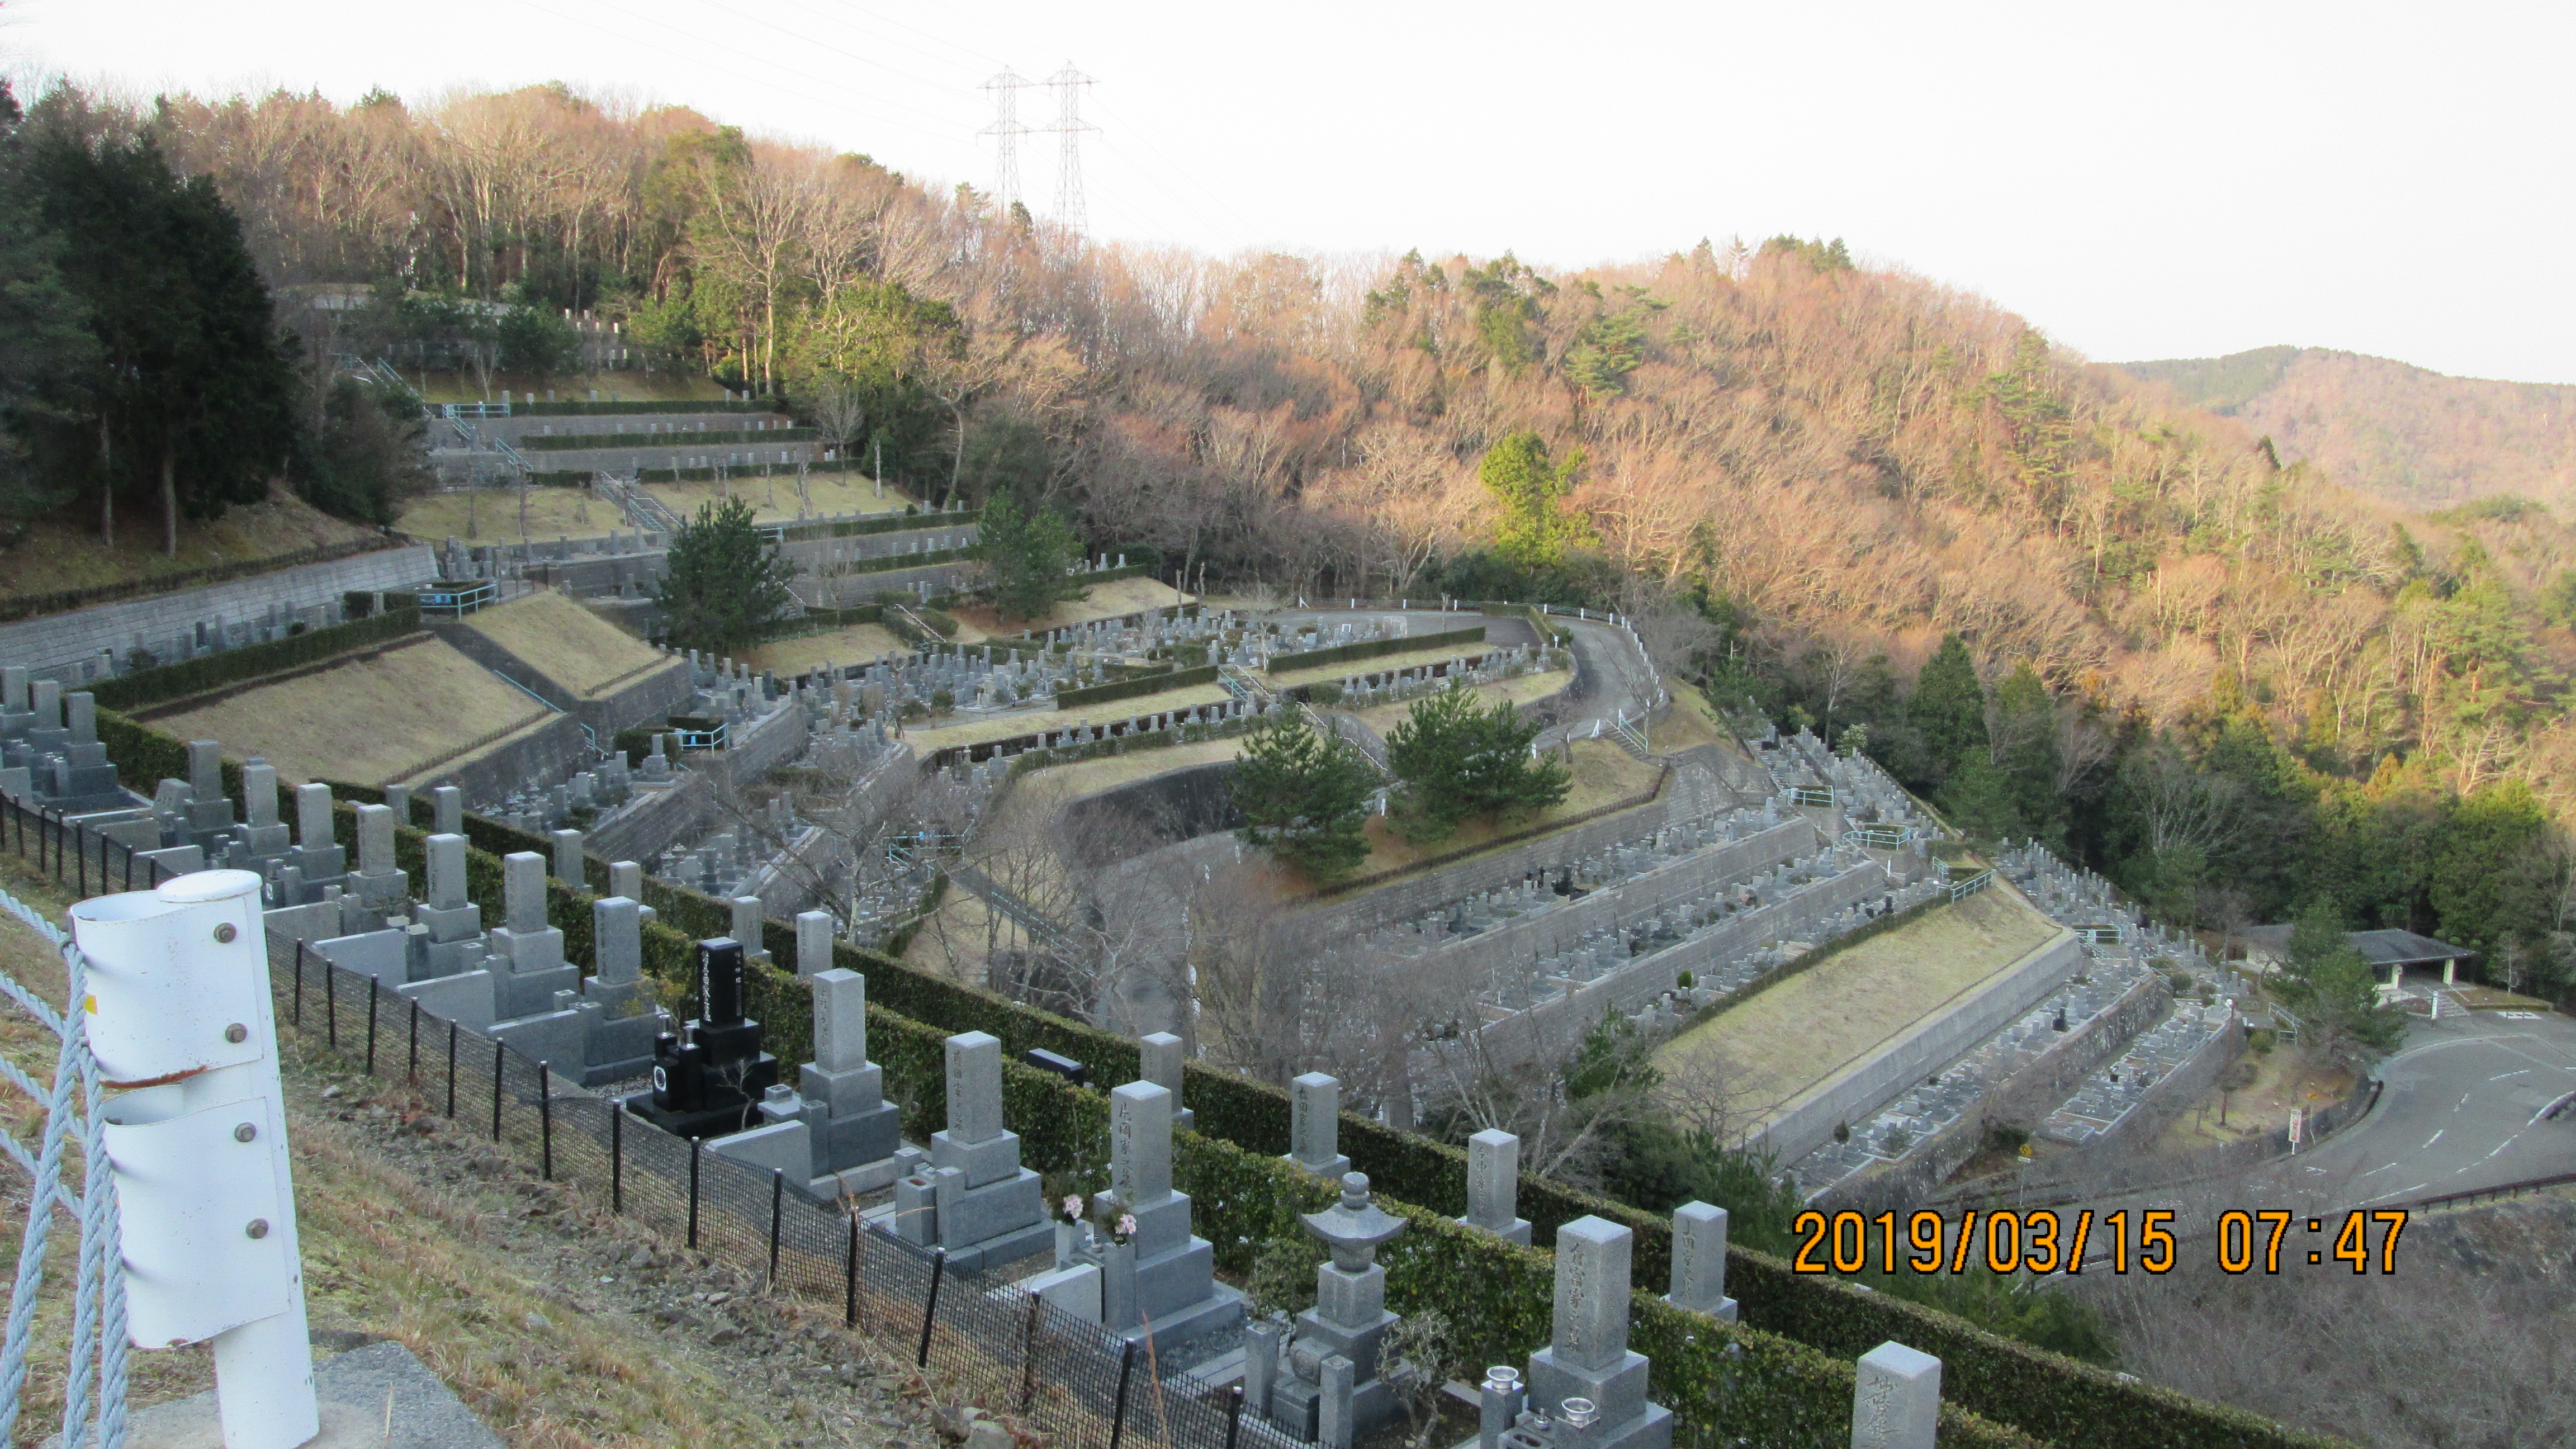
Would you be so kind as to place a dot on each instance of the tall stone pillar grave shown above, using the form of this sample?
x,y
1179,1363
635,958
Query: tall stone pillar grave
x,y
1159,1286
1493,1186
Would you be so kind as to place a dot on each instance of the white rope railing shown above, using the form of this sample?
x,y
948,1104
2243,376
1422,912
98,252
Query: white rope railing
x,y
94,1379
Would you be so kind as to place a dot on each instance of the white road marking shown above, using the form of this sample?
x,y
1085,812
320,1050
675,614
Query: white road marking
x,y
2500,1076
2436,1137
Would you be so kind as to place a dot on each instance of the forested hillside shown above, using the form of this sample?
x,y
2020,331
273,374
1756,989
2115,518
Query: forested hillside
x,y
2215,671
2406,434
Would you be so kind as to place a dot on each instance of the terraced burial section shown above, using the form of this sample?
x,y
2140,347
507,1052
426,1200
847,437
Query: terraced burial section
x,y
371,719
566,642
1803,1031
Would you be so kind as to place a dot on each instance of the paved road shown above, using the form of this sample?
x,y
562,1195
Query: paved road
x,y
2457,1114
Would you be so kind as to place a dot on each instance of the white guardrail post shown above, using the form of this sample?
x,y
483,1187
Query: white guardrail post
x,y
180,1019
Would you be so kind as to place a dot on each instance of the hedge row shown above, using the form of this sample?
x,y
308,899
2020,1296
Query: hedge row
x,y
896,561
1374,649
710,437
231,666
816,621
882,523
1500,1290
1135,688
637,409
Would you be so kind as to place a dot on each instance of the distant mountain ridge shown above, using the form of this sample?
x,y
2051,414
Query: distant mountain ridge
x,y
2407,434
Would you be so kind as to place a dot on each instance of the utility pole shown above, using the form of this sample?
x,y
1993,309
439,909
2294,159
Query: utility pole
x,y
1006,131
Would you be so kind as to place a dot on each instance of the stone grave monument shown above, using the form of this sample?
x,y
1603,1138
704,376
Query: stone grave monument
x,y
975,1199
1314,1126
1896,1398
1160,1058
1494,1184
1324,1385
1699,1261
1159,1286
1589,1360
709,1076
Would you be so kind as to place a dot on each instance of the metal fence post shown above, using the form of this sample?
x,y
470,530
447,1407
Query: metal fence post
x,y
697,1149
500,1060
374,986
411,1065
331,1004
451,1071
299,981
930,1306
777,1204
80,855
546,1121
850,1278
1233,1415
616,1157
1126,1366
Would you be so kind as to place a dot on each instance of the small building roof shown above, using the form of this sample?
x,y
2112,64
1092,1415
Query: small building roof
x,y
2379,948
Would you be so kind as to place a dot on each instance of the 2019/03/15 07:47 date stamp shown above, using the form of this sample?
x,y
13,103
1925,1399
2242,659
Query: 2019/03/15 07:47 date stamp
x,y
2044,1240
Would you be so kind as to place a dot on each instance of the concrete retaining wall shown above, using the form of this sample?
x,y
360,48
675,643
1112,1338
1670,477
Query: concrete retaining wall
x,y
658,820
1686,793
550,752
1482,954
57,642
2182,1086
1862,1088
1557,1025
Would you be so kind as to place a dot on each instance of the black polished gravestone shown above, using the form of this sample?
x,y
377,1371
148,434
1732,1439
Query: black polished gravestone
x,y
709,1075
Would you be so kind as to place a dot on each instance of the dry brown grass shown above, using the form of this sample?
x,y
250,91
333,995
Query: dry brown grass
x,y
368,721
773,499
1802,1032
487,514
563,641
1115,599
63,552
857,644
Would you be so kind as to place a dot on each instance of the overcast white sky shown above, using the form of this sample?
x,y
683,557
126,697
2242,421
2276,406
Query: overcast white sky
x,y
2140,179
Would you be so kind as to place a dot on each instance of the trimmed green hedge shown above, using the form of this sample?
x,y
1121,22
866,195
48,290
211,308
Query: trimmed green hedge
x,y
638,409
882,523
711,437
894,562
580,477
1374,649
1135,688
231,666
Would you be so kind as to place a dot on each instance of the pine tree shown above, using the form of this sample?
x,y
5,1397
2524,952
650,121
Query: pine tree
x,y
1304,796
725,581
1457,760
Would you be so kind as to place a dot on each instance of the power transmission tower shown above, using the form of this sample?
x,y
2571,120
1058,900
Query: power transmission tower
x,y
1070,211
1006,132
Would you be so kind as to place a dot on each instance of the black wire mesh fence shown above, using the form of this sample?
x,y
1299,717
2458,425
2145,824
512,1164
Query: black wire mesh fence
x,y
975,1337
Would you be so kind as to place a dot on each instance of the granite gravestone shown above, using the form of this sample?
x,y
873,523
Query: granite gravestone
x,y
709,1076
1589,1358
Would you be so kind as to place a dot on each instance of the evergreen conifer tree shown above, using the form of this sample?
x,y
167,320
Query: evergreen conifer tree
x,y
725,581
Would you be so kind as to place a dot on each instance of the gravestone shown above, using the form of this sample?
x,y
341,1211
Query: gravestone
x,y
1699,1261
567,859
1314,1126
619,1017
447,810
1159,1287
975,1199
1347,1326
1160,1057
855,1130
708,1075
318,858
529,953
746,927
381,887
1896,1398
1493,1186
813,943
1589,1356
626,878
